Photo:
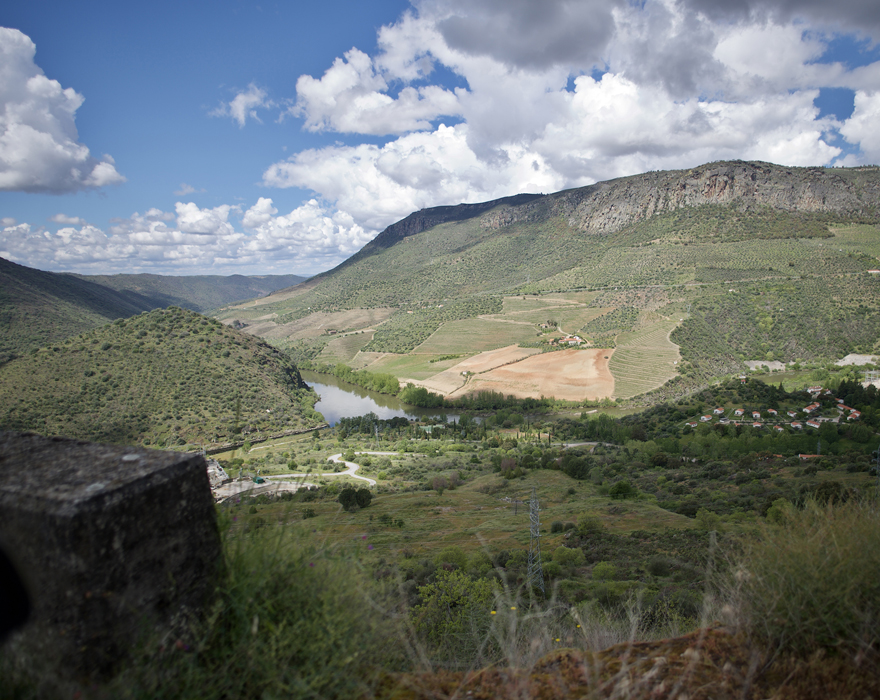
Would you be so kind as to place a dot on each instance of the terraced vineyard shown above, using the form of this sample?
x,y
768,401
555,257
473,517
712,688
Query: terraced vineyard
x,y
643,359
344,348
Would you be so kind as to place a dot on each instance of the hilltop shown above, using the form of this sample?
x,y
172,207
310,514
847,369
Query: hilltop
x,y
164,378
38,308
679,275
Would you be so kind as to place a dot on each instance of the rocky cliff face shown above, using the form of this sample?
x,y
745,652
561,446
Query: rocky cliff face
x,y
607,207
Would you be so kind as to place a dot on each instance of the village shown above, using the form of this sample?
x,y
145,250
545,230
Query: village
x,y
825,408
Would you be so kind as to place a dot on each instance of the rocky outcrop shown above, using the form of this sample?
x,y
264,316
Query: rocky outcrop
x,y
607,207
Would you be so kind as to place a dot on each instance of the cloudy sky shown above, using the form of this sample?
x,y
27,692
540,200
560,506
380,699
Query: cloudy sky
x,y
225,136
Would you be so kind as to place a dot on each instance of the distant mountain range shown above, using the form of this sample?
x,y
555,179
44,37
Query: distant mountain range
x,y
38,308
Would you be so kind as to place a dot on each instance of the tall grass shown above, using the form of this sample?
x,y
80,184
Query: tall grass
x,y
814,582
289,619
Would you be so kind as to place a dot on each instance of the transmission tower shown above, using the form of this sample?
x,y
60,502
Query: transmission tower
x,y
536,573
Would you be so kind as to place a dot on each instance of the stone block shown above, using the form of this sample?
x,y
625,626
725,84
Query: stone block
x,y
110,541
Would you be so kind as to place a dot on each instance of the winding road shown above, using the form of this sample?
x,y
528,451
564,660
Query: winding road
x,y
350,470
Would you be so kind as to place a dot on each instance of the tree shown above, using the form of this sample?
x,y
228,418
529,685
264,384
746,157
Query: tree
x,y
622,489
348,498
363,497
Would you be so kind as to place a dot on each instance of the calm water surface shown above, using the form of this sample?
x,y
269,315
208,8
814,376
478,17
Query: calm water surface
x,y
343,400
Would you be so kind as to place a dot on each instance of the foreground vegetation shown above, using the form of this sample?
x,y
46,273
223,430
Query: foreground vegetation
x,y
300,614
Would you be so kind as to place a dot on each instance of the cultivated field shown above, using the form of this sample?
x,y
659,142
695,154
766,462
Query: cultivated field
x,y
345,347
449,381
476,335
570,375
416,367
644,360
318,324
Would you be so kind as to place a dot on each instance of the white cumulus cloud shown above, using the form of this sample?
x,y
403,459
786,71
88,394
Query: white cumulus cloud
x,y
39,146
352,97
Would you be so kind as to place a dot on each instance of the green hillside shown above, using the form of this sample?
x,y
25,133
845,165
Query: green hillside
x,y
740,261
163,378
38,308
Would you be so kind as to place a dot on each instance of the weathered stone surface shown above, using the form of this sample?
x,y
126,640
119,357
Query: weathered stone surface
x,y
111,541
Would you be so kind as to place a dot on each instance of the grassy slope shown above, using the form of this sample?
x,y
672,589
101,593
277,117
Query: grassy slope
x,y
167,377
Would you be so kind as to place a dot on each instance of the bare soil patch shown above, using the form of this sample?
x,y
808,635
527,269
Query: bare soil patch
x,y
570,375
449,380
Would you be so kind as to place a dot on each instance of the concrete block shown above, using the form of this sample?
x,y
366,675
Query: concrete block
x,y
111,542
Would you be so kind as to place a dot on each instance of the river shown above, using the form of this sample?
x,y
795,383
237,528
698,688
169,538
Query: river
x,y
343,400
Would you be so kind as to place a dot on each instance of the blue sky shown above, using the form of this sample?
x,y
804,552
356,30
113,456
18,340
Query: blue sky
x,y
222,137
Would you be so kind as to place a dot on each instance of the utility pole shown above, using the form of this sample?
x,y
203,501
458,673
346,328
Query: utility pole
x,y
536,573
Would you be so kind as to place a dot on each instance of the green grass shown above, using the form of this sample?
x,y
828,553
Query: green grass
x,y
418,366
476,335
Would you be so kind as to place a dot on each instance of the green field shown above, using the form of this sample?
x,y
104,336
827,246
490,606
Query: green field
x,y
413,366
474,335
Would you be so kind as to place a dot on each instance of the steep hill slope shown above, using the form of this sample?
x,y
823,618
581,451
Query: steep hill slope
x,y
39,308
166,377
741,258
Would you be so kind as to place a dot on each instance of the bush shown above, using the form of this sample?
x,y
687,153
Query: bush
x,y
556,526
567,556
659,566
281,625
622,489
604,571
588,525
453,556
348,499
454,615
814,582
363,497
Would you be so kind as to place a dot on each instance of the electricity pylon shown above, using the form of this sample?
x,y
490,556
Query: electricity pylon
x,y
536,573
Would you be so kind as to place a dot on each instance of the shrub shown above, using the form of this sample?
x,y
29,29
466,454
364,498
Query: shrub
x,y
814,582
567,556
604,571
622,489
588,524
248,645
659,566
363,497
453,616
451,556
348,498
552,569
556,526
